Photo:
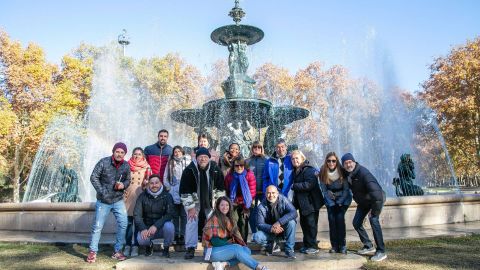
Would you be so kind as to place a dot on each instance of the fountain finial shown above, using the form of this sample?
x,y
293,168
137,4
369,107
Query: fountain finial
x,y
237,13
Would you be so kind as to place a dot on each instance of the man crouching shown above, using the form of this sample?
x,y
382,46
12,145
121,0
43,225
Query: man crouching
x,y
153,216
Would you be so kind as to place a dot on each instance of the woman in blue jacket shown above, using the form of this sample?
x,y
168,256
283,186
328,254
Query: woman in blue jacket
x,y
337,197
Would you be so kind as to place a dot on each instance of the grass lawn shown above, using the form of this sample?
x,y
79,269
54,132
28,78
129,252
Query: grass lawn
x,y
432,253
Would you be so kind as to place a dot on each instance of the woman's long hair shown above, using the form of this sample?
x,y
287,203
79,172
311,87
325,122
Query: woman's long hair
x,y
324,170
171,163
223,220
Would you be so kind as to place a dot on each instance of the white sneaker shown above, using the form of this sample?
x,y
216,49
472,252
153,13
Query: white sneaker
x,y
126,251
378,257
219,265
134,252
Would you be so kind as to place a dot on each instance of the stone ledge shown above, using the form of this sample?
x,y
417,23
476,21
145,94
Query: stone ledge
x,y
322,260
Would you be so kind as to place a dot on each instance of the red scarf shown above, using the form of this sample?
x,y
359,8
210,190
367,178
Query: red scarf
x,y
137,165
117,163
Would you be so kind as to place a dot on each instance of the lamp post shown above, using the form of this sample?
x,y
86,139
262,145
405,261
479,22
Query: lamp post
x,y
123,40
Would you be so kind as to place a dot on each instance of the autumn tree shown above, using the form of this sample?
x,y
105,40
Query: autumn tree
x,y
453,91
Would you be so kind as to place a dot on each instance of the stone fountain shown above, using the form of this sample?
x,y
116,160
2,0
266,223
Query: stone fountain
x,y
240,110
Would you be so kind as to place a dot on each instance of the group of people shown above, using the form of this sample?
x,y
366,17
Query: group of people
x,y
163,192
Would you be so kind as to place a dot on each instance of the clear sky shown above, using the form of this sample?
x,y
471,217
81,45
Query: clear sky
x,y
405,34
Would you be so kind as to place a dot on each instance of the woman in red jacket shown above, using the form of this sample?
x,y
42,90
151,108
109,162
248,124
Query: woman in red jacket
x,y
240,185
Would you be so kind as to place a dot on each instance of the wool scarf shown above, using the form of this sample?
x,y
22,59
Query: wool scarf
x,y
136,165
155,194
241,179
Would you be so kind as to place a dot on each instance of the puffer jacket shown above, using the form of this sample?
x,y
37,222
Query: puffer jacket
x,y
256,164
104,176
365,188
307,195
150,210
157,157
285,208
251,186
272,170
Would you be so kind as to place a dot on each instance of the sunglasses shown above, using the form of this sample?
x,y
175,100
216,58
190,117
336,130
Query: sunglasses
x,y
239,165
331,161
257,146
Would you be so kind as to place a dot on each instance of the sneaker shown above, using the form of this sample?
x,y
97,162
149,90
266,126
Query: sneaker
x,y
332,250
92,256
134,251
366,250
311,251
378,257
302,250
149,249
343,250
166,252
290,254
126,251
219,265
190,253
118,256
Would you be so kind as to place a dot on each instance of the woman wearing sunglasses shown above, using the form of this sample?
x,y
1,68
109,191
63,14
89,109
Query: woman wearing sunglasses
x,y
240,185
337,197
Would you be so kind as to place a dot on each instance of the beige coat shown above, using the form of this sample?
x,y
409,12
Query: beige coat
x,y
136,187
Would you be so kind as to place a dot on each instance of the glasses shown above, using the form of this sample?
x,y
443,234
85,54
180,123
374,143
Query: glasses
x,y
257,146
331,161
239,165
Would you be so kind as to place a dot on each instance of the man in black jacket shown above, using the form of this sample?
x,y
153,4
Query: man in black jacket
x,y
369,196
201,184
110,177
153,215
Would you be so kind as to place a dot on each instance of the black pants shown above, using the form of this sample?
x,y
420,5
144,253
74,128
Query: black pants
x,y
179,219
309,228
336,224
360,214
242,222
131,232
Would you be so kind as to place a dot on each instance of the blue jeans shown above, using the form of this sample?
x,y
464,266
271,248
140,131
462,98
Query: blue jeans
x,y
233,254
265,239
167,232
360,214
101,213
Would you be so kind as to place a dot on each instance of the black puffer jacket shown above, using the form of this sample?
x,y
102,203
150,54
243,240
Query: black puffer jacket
x,y
150,210
104,176
308,196
364,186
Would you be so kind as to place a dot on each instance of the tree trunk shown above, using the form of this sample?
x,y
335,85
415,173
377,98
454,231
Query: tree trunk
x,y
18,166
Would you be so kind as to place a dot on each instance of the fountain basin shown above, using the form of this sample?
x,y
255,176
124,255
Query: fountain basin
x,y
397,213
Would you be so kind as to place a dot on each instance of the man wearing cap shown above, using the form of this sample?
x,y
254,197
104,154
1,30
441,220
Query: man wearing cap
x,y
369,196
110,177
201,184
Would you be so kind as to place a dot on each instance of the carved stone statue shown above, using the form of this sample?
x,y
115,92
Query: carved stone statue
x,y
237,59
404,184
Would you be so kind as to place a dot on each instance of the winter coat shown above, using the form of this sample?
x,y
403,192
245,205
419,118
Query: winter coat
x,y
135,189
271,172
307,195
339,189
157,157
364,186
252,184
189,184
285,208
105,175
153,211
256,164
172,176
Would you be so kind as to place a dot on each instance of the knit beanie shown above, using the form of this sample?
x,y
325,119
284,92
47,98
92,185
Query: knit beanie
x,y
202,151
346,157
120,145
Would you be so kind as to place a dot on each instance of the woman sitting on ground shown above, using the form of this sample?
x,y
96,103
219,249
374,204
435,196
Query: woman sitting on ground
x,y
222,241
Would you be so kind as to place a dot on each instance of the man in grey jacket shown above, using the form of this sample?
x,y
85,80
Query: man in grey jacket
x,y
110,177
